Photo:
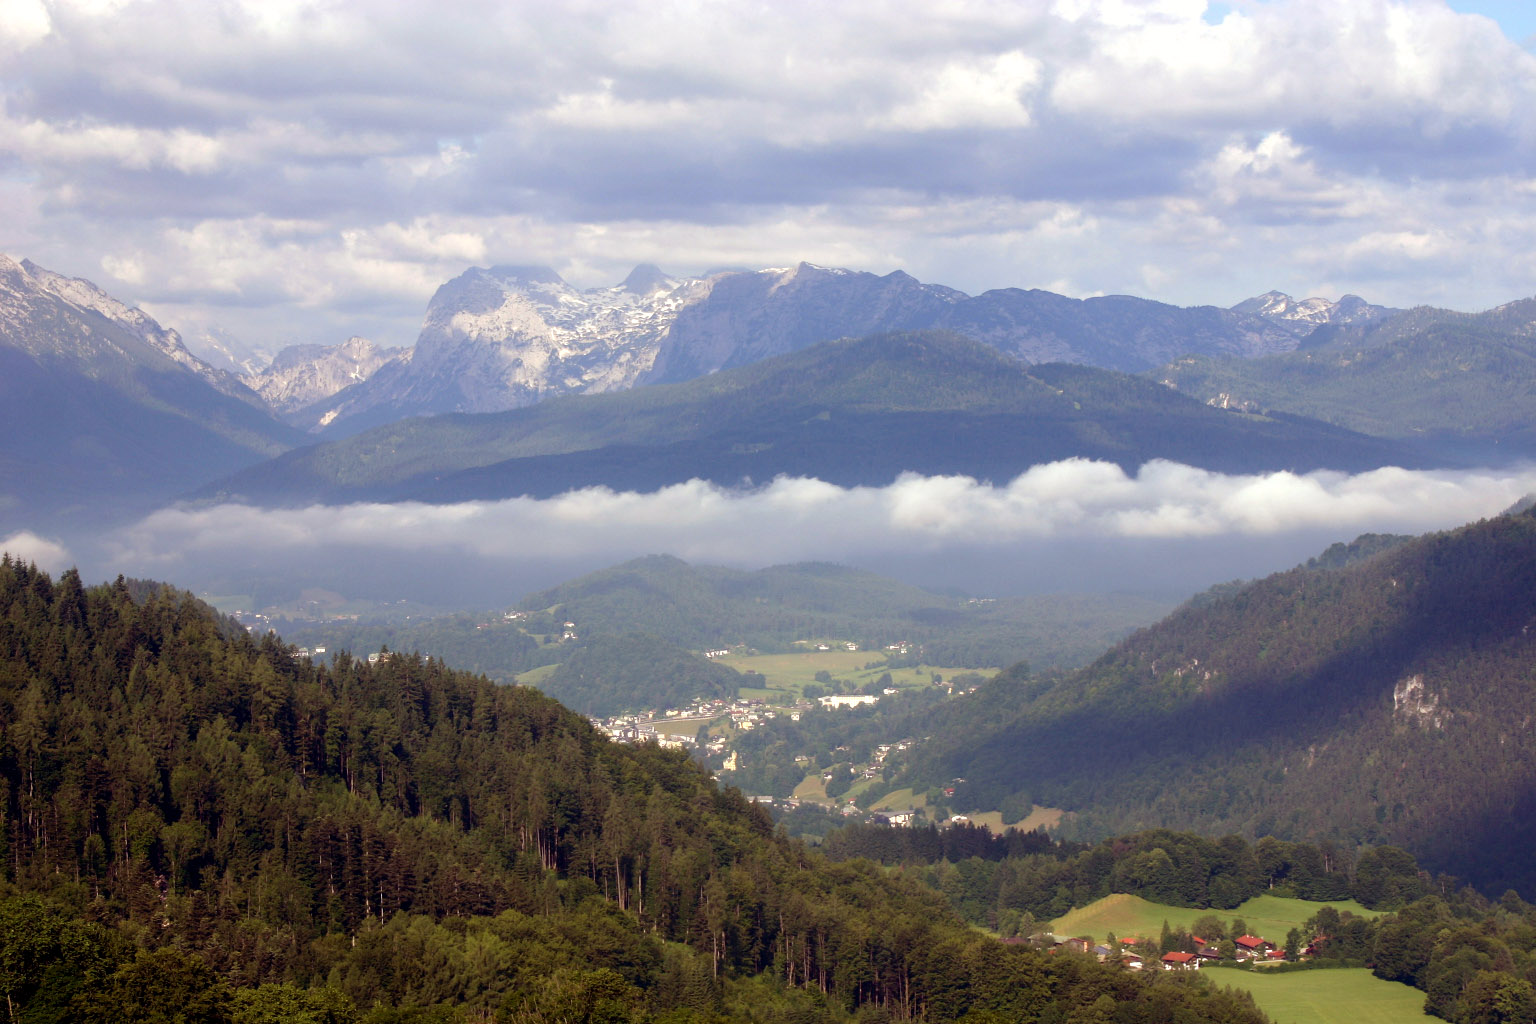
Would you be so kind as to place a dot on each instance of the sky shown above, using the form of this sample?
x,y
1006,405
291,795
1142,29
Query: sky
x,y
292,171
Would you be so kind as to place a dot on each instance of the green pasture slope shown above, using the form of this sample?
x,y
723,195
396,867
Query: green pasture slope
x,y
789,674
1344,996
1268,917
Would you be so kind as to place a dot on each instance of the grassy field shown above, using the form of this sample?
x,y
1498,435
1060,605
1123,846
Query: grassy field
x,y
1048,817
1268,917
812,788
1350,996
536,676
788,675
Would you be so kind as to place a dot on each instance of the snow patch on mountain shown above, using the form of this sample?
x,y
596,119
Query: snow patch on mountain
x,y
1305,315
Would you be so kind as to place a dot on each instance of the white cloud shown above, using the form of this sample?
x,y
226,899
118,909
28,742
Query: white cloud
x,y
1075,501
976,143
988,93
27,546
23,23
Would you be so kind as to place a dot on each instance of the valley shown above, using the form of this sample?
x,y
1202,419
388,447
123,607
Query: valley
x,y
737,513
741,755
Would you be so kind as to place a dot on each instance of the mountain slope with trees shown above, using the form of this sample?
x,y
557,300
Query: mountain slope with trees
x,y
1463,380
201,826
1384,701
706,607
850,412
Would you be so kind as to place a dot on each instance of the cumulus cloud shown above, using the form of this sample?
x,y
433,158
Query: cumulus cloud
x,y
26,546
1071,506
309,170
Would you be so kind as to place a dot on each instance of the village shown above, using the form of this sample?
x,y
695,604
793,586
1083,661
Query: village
x,y
706,728
1137,954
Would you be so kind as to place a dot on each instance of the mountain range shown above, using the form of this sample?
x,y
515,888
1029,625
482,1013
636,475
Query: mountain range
x,y
851,412
1460,381
728,378
504,337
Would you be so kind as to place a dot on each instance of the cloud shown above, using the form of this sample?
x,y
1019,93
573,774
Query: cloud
x,y
27,546
1059,508
310,170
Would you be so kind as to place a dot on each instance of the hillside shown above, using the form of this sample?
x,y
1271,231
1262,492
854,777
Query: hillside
x,y
103,412
705,607
201,825
858,411
1384,701
1464,380
682,608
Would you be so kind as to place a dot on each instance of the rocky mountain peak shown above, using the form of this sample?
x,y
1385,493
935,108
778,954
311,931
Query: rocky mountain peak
x,y
1308,314
647,279
302,375
506,336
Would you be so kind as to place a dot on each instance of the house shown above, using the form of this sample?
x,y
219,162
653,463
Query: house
x,y
1180,961
847,700
1072,944
1250,947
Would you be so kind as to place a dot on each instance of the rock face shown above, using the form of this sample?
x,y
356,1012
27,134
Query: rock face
x,y
301,375
223,351
747,317
506,337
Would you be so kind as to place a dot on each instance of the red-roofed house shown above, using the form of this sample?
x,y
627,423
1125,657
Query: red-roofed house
x,y
1180,962
1251,946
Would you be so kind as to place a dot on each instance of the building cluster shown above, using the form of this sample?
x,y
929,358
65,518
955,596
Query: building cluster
x,y
1248,949
669,726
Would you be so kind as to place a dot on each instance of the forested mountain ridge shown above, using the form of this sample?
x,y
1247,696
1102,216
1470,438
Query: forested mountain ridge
x,y
1462,378
703,607
636,624
855,411
197,822
1384,701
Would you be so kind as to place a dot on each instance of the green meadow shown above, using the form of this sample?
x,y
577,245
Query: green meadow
x,y
1268,917
1344,996
787,675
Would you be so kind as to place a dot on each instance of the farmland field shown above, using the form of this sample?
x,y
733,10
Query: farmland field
x,y
1268,917
788,675
1345,996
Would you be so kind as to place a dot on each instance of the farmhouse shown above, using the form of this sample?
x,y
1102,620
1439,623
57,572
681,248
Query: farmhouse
x,y
1179,961
1251,947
